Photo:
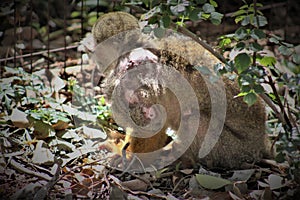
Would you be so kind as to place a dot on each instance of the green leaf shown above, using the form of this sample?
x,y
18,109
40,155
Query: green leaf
x,y
225,42
245,21
294,68
159,32
245,88
251,9
276,37
255,47
258,89
195,14
262,21
180,23
244,6
153,20
250,98
211,182
238,13
166,20
208,8
75,14
257,34
147,29
285,50
92,20
213,3
242,62
220,69
146,2
240,46
259,12
205,16
216,18
241,33
179,8
296,58
267,61
288,44
239,18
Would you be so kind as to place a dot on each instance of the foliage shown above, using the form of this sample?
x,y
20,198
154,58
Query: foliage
x,y
259,73
16,89
87,103
164,13
251,63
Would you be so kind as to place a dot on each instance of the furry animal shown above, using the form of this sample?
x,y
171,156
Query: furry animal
x,y
241,135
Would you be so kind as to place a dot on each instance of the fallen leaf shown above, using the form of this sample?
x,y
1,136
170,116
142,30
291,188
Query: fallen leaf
x,y
275,182
256,194
93,133
62,145
187,171
42,130
71,134
135,185
242,175
211,182
79,152
262,184
42,155
57,83
60,125
19,118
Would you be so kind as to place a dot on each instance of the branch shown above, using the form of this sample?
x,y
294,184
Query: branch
x,y
198,40
286,118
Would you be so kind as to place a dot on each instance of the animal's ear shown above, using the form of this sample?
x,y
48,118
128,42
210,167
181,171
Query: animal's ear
x,y
113,23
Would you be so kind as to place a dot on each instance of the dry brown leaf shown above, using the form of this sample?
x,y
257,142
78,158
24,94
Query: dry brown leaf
x,y
135,185
60,125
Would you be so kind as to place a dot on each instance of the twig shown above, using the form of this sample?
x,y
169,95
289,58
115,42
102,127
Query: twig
x,y
178,183
285,117
272,106
266,7
198,40
21,168
289,112
42,193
